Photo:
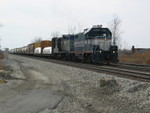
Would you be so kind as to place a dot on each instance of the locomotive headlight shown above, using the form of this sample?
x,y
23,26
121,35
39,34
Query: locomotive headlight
x,y
114,52
100,51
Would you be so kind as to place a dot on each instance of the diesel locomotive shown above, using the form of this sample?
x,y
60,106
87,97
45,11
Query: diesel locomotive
x,y
91,45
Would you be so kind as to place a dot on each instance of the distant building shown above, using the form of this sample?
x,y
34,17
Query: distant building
x,y
133,49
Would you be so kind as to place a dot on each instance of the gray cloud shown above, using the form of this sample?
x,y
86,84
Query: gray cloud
x,y
25,19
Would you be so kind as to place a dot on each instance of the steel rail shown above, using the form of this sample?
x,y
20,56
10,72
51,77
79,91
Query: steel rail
x,y
131,67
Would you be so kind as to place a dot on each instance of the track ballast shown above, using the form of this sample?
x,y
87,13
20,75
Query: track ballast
x,y
134,72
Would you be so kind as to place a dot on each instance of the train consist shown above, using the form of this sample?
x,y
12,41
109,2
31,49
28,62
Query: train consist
x,y
91,45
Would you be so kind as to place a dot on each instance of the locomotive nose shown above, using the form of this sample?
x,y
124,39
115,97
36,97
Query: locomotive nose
x,y
107,57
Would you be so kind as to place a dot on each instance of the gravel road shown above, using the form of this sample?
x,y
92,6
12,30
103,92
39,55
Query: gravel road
x,y
35,86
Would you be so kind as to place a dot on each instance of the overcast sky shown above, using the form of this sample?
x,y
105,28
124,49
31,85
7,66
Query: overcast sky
x,y
23,20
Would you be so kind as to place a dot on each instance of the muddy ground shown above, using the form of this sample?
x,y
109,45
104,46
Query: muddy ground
x,y
34,86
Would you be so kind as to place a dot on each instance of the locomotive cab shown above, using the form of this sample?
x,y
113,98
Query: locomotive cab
x,y
103,51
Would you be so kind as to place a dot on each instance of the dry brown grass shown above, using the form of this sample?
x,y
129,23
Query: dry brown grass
x,y
1,55
137,58
2,65
2,81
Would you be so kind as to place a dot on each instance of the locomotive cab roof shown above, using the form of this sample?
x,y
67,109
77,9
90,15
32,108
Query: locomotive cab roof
x,y
97,29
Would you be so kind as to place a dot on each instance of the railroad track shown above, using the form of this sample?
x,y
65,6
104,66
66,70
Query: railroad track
x,y
137,65
132,74
143,68
121,70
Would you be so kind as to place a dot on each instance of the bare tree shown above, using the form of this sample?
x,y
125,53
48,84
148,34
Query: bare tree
x,y
55,34
125,45
79,27
1,25
36,40
71,29
115,29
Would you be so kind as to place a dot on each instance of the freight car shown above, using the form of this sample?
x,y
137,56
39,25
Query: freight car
x,y
44,48
31,48
91,45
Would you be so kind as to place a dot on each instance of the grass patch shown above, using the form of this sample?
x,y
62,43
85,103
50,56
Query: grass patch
x,y
2,55
137,58
2,81
108,82
2,64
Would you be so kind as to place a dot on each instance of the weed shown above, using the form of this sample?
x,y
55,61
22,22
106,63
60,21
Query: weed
x,y
138,58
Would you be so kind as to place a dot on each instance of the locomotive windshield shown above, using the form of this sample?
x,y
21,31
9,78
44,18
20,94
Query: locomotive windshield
x,y
99,32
